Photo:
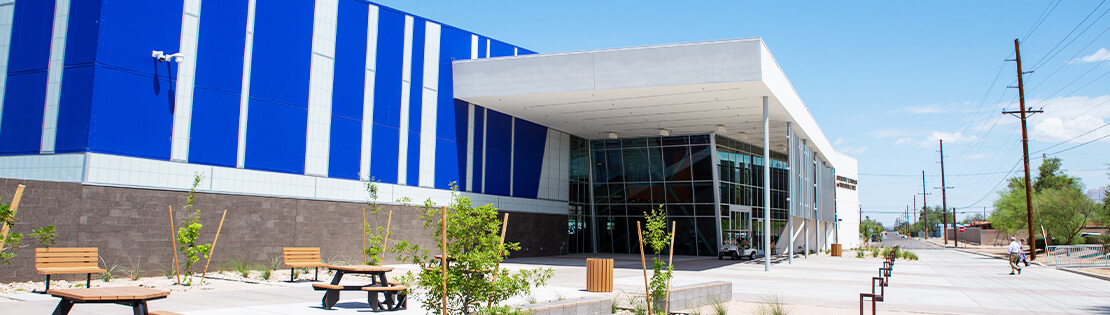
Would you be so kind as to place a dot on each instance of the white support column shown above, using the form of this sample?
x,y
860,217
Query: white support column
x,y
320,85
429,106
54,77
245,94
368,92
406,84
766,186
469,185
7,15
512,152
485,141
186,71
790,190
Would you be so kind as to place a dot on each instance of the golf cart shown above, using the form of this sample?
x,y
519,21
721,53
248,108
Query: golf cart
x,y
737,244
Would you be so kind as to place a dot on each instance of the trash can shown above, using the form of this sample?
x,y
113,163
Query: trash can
x,y
837,250
599,274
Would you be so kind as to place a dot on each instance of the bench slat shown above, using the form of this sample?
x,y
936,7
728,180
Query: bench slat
x,y
67,260
393,288
302,257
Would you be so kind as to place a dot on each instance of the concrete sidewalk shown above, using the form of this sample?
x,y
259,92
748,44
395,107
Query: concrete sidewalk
x,y
942,282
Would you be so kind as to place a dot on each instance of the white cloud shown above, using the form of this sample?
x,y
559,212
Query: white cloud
x,y
928,109
950,137
1072,117
890,133
977,156
903,140
842,147
1101,55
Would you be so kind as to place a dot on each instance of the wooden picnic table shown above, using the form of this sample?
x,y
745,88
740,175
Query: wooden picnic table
x,y
135,297
377,275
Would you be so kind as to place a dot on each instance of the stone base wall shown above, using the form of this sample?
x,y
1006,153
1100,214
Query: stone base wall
x,y
131,226
598,305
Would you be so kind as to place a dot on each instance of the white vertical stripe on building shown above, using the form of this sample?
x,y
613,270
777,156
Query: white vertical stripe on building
x,y
368,91
54,76
245,92
473,46
485,130
468,185
512,153
516,51
428,105
186,71
7,14
487,49
320,80
406,83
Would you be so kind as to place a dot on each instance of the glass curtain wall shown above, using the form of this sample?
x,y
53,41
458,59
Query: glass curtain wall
x,y
579,225
740,167
632,176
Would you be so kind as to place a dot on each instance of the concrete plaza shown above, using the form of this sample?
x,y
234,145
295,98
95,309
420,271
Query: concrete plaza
x,y
943,281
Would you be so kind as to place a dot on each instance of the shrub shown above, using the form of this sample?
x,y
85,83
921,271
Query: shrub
x,y
859,254
874,252
475,248
188,234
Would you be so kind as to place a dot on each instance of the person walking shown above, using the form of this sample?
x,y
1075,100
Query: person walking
x,y
1014,251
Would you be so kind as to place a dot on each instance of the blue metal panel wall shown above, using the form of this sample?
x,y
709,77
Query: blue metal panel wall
x,y
499,49
347,90
482,47
77,84
479,130
416,95
214,134
529,144
452,121
387,96
498,152
278,112
25,95
132,111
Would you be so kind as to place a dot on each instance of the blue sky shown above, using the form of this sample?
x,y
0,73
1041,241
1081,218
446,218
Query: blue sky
x,y
884,79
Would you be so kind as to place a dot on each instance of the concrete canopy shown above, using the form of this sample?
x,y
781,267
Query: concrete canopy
x,y
691,88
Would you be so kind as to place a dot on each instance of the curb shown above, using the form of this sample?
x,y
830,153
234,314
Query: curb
x,y
993,256
1084,273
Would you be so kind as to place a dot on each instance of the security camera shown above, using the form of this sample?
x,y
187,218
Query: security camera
x,y
163,57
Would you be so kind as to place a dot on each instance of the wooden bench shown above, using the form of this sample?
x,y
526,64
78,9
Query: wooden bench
x,y
392,298
67,260
164,313
302,257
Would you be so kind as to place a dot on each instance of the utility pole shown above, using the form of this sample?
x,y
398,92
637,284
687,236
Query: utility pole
x,y
1025,113
944,200
924,204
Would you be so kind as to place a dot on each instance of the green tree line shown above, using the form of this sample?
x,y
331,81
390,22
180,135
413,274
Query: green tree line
x,y
1060,205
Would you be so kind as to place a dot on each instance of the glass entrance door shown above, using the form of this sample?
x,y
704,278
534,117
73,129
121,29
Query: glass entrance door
x,y
737,226
757,233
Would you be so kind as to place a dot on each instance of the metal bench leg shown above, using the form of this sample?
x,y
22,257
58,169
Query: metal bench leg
x,y
292,274
375,302
139,308
48,286
330,298
63,307
88,280
317,276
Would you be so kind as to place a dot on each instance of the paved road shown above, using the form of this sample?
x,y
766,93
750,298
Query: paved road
x,y
894,239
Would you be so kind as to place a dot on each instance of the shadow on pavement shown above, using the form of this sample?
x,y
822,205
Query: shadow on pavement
x,y
628,261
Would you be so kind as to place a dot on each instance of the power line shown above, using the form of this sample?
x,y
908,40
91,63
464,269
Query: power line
x,y
1040,19
1081,144
1080,51
1036,65
916,175
1072,138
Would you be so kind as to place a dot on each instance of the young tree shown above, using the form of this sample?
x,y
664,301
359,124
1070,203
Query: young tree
x,y
12,239
657,238
189,233
1064,212
474,249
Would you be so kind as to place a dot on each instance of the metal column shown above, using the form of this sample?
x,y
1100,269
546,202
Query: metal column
x,y
766,186
790,190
